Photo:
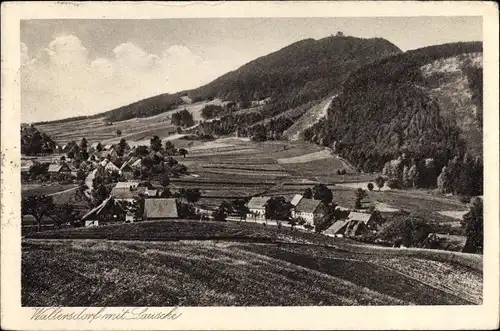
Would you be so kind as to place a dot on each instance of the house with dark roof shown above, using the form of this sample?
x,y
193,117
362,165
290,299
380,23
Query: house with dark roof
x,y
346,228
366,218
156,209
127,193
59,169
111,155
109,211
126,170
257,207
309,209
95,146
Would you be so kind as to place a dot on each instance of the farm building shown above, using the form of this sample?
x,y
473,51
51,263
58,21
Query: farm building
x,y
59,169
366,218
126,184
160,209
309,209
296,199
95,146
127,193
346,228
108,147
111,167
257,207
127,171
109,211
111,155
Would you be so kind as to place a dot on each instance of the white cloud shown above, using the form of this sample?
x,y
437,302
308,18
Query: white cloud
x,y
62,81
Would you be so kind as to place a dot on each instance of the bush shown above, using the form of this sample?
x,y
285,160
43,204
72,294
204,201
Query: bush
x,y
370,186
308,227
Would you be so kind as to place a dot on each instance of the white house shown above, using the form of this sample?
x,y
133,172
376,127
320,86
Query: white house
x,y
257,209
309,209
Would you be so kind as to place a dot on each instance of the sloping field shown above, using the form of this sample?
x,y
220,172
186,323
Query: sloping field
x,y
97,272
136,129
321,155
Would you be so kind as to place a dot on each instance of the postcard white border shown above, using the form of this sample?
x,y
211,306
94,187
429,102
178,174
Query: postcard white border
x,y
13,316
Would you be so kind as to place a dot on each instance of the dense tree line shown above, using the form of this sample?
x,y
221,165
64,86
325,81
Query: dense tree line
x,y
182,118
35,142
145,108
385,120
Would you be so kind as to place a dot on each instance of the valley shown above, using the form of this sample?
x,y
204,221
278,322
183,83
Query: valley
x,y
337,171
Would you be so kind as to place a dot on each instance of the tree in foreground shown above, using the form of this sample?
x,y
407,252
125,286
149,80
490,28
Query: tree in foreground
x,y
183,152
65,213
38,206
323,193
308,194
155,143
411,231
240,207
192,195
220,213
380,181
360,195
277,208
473,224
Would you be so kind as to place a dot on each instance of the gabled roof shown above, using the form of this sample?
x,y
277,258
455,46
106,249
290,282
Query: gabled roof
x,y
336,227
151,193
126,184
258,202
137,163
58,167
307,205
108,147
357,216
160,208
296,199
111,167
97,210
354,227
124,193
95,144
126,166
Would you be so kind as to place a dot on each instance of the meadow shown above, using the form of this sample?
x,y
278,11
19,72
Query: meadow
x,y
229,273
137,129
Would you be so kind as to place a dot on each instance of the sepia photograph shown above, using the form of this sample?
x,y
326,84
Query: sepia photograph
x,y
250,162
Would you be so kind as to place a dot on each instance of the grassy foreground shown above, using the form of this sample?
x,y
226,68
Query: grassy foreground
x,y
96,272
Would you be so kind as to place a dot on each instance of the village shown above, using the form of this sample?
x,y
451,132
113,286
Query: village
x,y
119,183
221,163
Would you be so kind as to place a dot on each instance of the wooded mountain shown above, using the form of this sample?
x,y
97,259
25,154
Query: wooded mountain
x,y
303,71
412,107
426,102
306,67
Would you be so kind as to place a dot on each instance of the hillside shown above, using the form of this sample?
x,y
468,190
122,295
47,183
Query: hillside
x,y
233,264
311,117
304,67
426,103
35,142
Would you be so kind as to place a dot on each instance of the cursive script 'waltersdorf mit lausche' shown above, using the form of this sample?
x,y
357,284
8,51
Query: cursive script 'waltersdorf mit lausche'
x,y
86,314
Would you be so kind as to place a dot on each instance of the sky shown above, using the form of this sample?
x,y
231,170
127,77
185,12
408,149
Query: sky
x,y
83,67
